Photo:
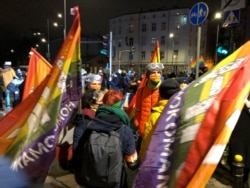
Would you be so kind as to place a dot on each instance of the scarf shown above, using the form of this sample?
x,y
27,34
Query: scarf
x,y
153,85
104,110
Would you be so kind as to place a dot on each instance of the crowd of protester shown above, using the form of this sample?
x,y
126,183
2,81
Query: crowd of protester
x,y
104,102
103,109
152,97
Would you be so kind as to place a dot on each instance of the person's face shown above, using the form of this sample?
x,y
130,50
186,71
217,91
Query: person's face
x,y
155,76
95,85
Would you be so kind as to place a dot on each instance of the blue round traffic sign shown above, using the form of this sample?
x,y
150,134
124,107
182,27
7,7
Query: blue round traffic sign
x,y
198,13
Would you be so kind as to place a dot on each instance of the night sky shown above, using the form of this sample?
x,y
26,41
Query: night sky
x,y
20,17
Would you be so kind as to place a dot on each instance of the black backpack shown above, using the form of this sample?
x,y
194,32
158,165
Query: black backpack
x,y
101,160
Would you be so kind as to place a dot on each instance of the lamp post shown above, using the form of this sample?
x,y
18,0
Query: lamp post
x,y
59,15
217,16
171,36
48,42
64,29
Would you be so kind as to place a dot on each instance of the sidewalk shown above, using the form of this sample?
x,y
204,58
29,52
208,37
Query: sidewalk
x,y
65,181
58,178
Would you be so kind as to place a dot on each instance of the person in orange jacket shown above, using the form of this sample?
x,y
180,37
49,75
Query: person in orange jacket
x,y
147,95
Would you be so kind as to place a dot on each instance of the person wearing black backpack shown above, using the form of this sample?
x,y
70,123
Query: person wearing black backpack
x,y
105,145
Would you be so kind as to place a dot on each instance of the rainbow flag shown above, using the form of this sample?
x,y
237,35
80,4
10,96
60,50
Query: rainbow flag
x,y
201,62
195,126
38,69
32,147
155,57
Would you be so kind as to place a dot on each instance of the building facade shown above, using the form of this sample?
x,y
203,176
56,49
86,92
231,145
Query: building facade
x,y
134,36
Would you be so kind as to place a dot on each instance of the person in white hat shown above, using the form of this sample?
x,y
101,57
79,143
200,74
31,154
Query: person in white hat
x,y
93,81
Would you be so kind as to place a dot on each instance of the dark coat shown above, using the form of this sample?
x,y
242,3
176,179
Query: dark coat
x,y
81,122
239,142
107,118
104,123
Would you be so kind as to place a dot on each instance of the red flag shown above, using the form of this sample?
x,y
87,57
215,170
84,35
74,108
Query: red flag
x,y
38,69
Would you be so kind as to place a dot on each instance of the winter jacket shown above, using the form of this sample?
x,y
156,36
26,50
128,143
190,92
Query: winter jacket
x,y
81,122
146,99
115,82
8,74
111,118
150,126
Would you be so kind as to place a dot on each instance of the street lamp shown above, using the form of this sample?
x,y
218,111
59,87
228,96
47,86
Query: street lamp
x,y
59,15
217,16
171,36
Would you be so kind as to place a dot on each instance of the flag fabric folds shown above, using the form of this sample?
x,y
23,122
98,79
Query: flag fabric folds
x,y
33,148
11,123
195,126
38,69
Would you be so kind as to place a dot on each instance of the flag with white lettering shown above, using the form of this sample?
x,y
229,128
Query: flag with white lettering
x,y
33,149
38,71
195,126
11,123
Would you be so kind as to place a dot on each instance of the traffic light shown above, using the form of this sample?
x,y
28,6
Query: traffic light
x,y
223,48
105,46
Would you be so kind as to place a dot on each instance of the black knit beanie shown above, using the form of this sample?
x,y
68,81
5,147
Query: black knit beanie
x,y
169,87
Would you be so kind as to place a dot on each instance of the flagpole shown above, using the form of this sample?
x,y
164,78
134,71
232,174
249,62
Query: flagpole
x,y
48,42
198,51
110,55
64,29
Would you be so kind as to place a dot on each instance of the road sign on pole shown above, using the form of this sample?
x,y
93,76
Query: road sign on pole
x,y
231,18
198,13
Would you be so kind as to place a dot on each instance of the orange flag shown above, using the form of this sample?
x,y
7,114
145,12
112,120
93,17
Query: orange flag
x,y
155,57
38,69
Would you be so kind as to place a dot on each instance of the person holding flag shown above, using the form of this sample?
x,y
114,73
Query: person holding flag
x,y
148,95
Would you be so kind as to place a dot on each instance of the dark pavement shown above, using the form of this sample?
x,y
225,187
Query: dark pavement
x,y
59,178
